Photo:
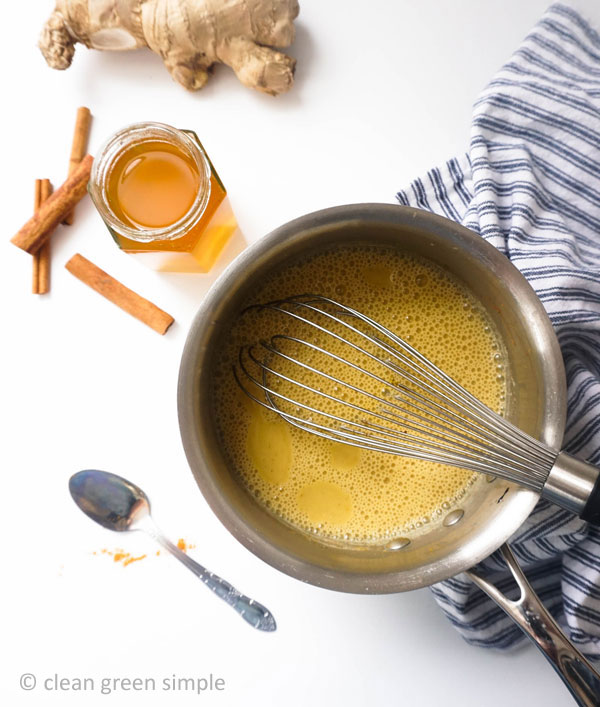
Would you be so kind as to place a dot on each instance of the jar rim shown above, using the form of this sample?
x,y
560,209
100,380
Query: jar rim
x,y
115,146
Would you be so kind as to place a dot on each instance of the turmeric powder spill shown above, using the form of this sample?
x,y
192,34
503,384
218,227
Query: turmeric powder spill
x,y
185,546
125,558
122,556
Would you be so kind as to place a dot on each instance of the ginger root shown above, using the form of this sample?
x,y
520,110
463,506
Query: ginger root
x,y
189,35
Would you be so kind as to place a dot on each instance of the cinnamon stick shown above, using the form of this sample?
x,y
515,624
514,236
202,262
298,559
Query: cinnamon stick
x,y
122,296
79,145
37,195
39,227
40,284
37,200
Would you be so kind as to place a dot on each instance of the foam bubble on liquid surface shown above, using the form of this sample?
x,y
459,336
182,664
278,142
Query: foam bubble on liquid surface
x,y
334,490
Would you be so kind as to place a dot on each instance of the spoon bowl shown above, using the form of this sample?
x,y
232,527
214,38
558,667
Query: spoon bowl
x,y
110,500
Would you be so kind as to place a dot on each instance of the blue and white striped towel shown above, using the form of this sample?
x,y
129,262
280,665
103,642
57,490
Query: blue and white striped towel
x,y
530,185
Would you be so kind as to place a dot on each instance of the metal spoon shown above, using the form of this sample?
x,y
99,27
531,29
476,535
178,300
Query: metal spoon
x,y
117,504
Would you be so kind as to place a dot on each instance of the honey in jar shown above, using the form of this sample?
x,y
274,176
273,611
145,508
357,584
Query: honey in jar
x,y
161,198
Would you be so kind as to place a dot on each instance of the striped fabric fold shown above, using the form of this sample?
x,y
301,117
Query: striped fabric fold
x,y
530,185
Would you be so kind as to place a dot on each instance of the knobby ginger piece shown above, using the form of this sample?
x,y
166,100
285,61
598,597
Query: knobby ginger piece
x,y
189,35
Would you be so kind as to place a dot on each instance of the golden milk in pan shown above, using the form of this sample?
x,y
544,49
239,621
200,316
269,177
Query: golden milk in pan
x,y
336,491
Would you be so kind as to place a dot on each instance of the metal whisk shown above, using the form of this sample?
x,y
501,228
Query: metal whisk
x,y
395,401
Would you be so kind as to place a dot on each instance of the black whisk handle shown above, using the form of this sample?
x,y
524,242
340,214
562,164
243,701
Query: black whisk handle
x,y
591,510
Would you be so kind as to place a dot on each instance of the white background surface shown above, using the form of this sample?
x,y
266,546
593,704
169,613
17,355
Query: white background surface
x,y
383,92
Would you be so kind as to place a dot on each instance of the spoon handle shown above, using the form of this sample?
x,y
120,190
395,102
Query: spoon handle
x,y
251,611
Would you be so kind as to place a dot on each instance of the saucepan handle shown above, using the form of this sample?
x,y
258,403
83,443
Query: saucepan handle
x,y
530,614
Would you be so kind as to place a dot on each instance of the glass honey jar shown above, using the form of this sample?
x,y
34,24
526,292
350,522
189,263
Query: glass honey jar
x,y
161,198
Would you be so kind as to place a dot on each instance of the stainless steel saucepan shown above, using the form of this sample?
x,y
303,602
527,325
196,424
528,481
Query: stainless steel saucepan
x,y
536,402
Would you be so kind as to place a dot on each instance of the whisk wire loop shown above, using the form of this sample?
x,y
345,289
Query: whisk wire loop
x,y
465,402
426,414
418,423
